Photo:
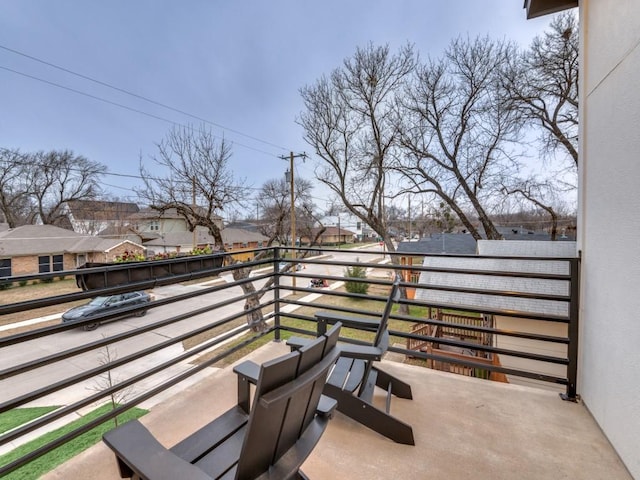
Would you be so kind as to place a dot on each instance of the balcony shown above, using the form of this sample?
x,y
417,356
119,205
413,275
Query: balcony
x,y
463,426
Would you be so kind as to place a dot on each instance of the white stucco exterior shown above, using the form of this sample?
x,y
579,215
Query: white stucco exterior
x,y
609,221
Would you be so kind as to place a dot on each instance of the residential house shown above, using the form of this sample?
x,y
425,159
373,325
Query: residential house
x,y
238,239
330,236
32,249
150,223
91,217
347,221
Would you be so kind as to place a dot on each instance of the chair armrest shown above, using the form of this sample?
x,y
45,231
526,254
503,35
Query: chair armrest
x,y
296,343
249,370
361,352
135,446
326,406
347,321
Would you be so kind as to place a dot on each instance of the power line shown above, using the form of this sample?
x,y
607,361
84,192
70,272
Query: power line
x,y
141,97
120,105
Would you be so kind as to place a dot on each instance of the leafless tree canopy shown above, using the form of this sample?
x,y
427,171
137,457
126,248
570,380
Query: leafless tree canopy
x,y
274,201
348,120
456,135
541,83
192,174
39,184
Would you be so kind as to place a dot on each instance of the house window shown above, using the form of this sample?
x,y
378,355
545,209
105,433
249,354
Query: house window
x,y
154,226
44,264
57,263
5,267
48,263
358,225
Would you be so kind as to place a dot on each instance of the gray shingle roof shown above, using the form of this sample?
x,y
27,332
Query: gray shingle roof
x,y
496,283
455,243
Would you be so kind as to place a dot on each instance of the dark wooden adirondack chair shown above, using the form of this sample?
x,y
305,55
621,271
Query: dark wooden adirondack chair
x,y
285,422
353,379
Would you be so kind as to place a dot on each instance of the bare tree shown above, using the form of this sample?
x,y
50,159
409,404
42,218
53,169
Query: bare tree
x,y
57,177
197,182
15,204
192,175
348,122
456,133
274,200
39,184
108,380
542,194
541,83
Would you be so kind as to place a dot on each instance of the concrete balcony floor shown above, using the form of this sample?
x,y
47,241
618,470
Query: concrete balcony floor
x,y
463,427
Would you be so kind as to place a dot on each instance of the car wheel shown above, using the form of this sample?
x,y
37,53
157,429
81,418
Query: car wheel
x,y
91,326
141,313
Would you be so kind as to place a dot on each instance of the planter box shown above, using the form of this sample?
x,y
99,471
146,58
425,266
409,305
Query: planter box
x,y
153,272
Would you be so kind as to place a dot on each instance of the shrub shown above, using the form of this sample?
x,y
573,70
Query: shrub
x,y
202,251
129,257
5,286
353,286
23,283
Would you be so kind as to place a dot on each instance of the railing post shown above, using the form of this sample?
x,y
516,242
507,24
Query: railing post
x,y
574,311
276,293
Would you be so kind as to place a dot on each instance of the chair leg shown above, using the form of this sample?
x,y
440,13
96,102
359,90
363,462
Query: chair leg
x,y
399,388
370,416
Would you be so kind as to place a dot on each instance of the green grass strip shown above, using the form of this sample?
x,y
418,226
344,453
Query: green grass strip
x,y
49,461
19,416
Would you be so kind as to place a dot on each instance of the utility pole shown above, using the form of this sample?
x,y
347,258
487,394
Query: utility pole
x,y
410,235
193,205
291,179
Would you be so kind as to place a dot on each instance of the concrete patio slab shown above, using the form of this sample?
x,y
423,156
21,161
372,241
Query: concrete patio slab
x,y
464,428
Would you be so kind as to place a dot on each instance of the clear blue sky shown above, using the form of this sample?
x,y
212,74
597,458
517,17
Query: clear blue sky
x,y
238,64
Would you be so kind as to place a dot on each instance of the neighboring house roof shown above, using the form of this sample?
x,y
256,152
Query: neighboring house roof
x,y
518,248
455,243
172,239
241,235
47,239
229,236
521,233
96,210
496,283
151,214
331,231
249,226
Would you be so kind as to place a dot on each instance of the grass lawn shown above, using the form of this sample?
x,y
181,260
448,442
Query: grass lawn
x,y
371,305
49,461
19,416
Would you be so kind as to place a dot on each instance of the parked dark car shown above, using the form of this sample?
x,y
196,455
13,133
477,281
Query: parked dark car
x,y
284,265
101,305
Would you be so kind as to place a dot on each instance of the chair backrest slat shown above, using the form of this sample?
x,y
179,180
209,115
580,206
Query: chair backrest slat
x,y
393,297
293,384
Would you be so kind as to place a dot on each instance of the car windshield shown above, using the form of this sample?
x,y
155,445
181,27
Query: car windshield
x,y
98,301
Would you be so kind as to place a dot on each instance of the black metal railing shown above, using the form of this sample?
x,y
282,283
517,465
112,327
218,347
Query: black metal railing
x,y
193,326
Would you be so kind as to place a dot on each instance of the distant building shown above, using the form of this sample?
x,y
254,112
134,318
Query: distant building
x,y
91,217
344,221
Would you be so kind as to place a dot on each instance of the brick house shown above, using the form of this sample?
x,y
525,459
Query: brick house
x,y
32,249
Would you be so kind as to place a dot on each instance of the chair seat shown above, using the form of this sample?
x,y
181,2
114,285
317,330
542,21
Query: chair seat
x,y
347,374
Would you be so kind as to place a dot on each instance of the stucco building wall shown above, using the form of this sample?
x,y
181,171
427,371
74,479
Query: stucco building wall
x,y
609,222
